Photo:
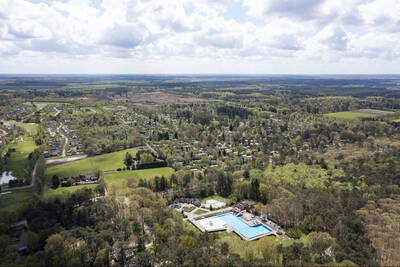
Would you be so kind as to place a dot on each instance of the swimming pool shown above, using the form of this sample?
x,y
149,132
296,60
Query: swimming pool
x,y
243,228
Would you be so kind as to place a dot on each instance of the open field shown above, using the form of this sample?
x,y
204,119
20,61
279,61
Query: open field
x,y
30,128
105,162
65,190
157,97
118,181
40,106
362,113
19,159
349,115
200,211
16,200
253,249
216,197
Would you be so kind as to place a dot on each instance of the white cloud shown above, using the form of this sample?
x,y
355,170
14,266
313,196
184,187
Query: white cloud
x,y
162,32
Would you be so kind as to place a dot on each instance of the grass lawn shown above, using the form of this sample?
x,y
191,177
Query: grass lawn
x,y
199,211
105,162
40,106
245,248
30,128
19,159
118,181
350,115
16,200
65,190
216,197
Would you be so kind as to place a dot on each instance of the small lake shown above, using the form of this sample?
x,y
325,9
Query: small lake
x,y
6,177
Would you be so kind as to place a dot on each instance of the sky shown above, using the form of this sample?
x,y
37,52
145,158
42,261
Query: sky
x,y
200,36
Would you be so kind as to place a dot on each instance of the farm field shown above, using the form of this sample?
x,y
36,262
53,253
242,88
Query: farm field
x,y
18,161
30,128
105,162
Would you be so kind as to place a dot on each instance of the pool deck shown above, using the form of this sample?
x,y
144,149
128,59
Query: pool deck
x,y
195,220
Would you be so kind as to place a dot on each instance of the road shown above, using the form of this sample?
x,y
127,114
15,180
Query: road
x,y
64,151
25,186
4,132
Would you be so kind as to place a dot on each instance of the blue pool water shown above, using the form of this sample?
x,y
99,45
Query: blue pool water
x,y
242,227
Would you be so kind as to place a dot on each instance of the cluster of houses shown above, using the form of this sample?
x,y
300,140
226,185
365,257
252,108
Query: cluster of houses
x,y
80,180
177,204
19,112
75,145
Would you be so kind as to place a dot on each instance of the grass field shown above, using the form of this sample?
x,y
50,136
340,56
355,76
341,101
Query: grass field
x,y
30,128
350,115
216,197
16,200
117,182
19,159
40,106
362,113
65,190
199,211
250,249
105,162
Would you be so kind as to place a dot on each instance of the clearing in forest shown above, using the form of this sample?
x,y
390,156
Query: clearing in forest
x,y
105,162
361,113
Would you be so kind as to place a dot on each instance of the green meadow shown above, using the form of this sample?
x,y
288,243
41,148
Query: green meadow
x,y
65,190
105,162
118,181
18,162
350,115
16,200
30,128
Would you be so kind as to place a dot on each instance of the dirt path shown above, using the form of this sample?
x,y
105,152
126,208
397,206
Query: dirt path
x,y
64,160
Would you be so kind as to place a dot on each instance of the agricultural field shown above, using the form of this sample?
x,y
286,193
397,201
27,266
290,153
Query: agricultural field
x,y
18,162
105,162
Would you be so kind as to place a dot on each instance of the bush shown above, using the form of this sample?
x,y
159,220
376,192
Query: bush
x,y
294,233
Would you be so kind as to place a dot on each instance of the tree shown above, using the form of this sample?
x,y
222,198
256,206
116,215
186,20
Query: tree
x,y
31,240
128,160
55,182
146,158
102,258
58,252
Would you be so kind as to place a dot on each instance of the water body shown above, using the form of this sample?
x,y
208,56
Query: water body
x,y
6,177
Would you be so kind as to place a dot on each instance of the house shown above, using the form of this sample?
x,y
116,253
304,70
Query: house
x,y
21,225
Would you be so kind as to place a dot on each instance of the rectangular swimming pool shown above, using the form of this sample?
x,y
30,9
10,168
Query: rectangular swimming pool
x,y
243,228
